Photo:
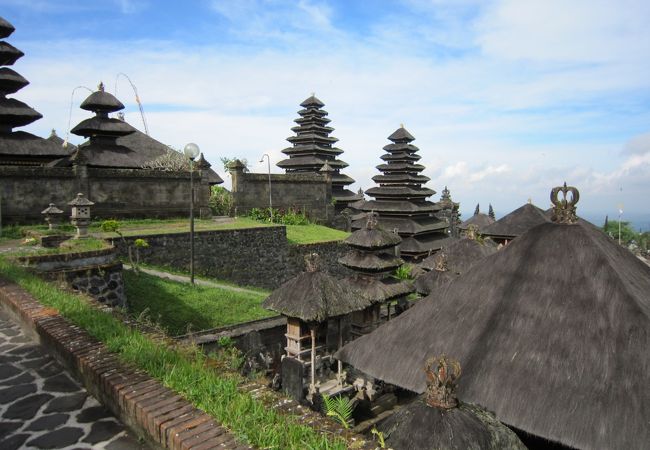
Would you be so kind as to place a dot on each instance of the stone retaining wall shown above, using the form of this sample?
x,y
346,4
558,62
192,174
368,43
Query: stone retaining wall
x,y
260,257
96,273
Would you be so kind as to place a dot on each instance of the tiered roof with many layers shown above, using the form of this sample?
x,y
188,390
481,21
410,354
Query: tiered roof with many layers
x,y
19,147
400,200
313,146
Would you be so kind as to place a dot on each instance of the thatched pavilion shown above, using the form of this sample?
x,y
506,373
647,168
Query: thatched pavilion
x,y
552,331
438,421
372,257
309,301
515,223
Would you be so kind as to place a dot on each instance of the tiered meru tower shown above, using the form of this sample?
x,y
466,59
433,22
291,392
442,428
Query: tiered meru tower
x,y
313,147
400,200
18,147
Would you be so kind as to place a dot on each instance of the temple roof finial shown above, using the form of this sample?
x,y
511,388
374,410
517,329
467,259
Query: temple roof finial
x,y
564,209
442,375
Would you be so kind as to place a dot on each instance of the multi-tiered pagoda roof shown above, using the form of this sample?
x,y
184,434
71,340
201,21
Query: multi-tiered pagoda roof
x,y
312,147
400,200
18,147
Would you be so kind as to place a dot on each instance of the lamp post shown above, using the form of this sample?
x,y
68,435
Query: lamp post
x,y
620,213
268,161
191,151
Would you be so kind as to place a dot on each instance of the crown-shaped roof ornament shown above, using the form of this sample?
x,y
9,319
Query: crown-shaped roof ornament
x,y
442,375
564,209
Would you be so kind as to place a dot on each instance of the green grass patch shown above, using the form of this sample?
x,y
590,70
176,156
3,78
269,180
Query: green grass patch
x,y
296,234
181,307
311,234
69,246
185,370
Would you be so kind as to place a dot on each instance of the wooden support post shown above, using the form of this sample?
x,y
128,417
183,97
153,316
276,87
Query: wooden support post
x,y
313,356
340,364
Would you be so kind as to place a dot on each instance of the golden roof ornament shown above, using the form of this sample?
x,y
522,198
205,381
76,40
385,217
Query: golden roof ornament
x,y
442,375
564,209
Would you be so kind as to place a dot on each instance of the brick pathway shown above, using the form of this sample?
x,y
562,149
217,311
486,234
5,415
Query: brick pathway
x,y
41,406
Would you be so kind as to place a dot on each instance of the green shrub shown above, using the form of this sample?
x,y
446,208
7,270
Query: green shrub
x,y
220,201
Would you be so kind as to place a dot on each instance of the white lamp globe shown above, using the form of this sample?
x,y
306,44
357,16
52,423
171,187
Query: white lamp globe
x,y
191,151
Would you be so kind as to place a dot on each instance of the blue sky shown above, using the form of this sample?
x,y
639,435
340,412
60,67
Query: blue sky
x,y
506,98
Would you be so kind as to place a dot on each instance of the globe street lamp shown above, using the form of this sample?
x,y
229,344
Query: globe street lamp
x,y
191,151
268,161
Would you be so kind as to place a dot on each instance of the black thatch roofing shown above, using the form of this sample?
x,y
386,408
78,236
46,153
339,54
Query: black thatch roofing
x,y
422,427
434,281
401,135
101,101
375,238
15,113
370,262
21,144
6,28
11,81
462,254
553,334
481,220
9,54
315,297
375,290
517,222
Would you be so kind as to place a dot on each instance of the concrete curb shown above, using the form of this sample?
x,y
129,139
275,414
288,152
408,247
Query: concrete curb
x,y
152,411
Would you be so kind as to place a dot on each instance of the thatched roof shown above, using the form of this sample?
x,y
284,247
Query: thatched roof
x,y
21,144
422,427
552,331
433,281
517,222
370,262
376,290
374,238
481,220
462,254
315,297
6,28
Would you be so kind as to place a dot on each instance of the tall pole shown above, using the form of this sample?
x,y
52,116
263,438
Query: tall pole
x,y
268,162
192,221
191,151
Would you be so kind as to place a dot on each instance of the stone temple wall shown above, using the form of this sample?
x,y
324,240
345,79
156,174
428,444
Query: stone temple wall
x,y
117,193
307,192
260,257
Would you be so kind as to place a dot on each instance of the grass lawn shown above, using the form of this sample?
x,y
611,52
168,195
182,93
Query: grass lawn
x,y
179,307
296,234
183,369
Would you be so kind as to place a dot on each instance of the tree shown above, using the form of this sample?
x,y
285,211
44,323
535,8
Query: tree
x,y
172,161
220,201
627,233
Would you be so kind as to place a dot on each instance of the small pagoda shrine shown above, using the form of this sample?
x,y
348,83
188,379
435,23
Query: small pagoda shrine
x,y
516,223
19,147
372,257
313,146
401,200
310,301
449,212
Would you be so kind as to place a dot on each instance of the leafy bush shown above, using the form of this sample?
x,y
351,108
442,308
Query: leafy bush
x,y
404,272
282,216
220,201
340,408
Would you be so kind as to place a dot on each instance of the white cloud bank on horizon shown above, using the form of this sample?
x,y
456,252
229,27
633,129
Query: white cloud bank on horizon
x,y
528,98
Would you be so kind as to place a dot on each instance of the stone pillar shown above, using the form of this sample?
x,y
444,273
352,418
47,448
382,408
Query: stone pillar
x,y
236,169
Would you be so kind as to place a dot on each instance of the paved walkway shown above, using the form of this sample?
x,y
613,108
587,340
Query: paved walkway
x,y
186,279
41,406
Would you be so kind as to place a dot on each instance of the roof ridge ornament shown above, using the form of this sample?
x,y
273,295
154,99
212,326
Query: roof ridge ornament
x,y
564,210
442,375
371,220
441,261
472,232
312,262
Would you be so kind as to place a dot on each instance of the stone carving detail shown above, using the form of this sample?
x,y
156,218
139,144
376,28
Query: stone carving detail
x,y
564,209
442,375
